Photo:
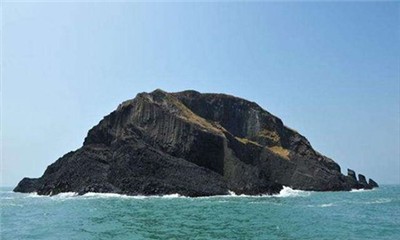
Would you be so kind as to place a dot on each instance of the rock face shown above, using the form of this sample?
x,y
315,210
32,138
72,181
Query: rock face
x,y
192,144
352,179
372,183
361,182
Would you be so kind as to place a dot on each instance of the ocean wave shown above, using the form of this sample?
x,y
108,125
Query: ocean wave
x,y
362,190
10,205
75,195
322,205
6,191
379,201
34,195
289,192
104,195
359,190
116,195
6,198
285,192
231,193
66,195
326,205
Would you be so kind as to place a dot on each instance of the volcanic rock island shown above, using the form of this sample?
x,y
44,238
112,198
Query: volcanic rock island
x,y
192,144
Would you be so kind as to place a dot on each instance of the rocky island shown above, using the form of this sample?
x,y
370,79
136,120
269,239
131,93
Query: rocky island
x,y
192,144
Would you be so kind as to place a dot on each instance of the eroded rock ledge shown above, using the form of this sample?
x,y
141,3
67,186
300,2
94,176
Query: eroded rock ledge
x,y
192,144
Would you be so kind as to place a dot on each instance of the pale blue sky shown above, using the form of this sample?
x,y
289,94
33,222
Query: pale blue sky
x,y
329,70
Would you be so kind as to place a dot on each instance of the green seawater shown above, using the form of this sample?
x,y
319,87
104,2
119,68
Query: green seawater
x,y
373,214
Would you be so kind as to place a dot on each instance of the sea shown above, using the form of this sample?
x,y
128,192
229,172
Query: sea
x,y
292,214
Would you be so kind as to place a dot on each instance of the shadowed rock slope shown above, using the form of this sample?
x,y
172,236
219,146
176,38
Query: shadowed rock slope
x,y
192,144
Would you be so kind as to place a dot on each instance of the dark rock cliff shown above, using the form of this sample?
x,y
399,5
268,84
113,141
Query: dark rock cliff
x,y
192,144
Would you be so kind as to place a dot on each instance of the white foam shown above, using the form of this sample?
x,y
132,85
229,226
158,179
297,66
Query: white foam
x,y
322,205
231,193
104,195
326,205
175,195
66,195
358,190
289,192
57,196
116,195
75,195
34,195
285,192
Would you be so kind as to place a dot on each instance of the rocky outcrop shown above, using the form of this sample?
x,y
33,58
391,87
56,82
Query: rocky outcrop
x,y
361,183
352,179
362,180
351,174
372,183
192,144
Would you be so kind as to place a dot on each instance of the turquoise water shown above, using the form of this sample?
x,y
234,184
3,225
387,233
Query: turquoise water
x,y
291,215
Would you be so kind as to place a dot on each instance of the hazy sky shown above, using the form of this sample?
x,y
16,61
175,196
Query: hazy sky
x,y
329,70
